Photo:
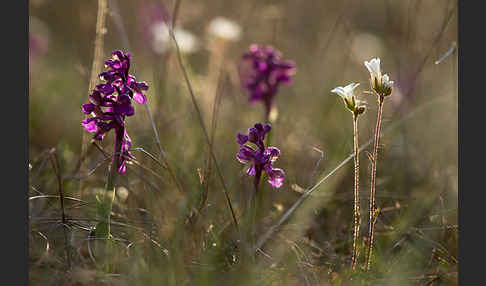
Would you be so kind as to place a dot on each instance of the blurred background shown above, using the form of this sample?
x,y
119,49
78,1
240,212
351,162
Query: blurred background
x,y
166,237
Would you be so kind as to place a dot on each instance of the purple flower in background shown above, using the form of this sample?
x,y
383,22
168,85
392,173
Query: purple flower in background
x,y
260,159
111,101
150,14
265,73
37,47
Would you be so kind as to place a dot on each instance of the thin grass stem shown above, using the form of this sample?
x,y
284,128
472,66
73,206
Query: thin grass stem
x,y
95,70
199,115
57,169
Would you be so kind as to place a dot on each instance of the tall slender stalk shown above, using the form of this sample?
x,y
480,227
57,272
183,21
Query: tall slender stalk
x,y
357,216
103,230
95,70
253,231
111,183
371,223
55,163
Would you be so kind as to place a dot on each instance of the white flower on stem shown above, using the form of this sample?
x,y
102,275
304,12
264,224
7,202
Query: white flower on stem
x,y
347,94
381,84
225,29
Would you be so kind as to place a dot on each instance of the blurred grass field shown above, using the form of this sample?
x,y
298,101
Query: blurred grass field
x,y
165,237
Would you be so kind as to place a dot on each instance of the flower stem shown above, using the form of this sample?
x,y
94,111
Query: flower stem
x,y
371,223
256,183
357,217
106,203
112,176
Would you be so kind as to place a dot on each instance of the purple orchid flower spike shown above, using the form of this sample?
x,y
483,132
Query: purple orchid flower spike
x,y
111,102
265,71
260,159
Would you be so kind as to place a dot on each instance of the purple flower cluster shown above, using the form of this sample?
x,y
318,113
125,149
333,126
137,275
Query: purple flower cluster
x,y
111,101
266,73
262,158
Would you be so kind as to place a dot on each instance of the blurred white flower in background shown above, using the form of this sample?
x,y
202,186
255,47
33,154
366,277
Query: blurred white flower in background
x,y
224,28
187,42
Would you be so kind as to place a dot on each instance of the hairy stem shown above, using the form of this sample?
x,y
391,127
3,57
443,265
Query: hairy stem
x,y
371,224
356,193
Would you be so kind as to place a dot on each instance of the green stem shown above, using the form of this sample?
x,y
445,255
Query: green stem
x,y
356,192
372,218
106,203
256,183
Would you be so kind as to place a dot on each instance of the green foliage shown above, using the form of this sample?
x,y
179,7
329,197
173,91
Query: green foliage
x,y
157,235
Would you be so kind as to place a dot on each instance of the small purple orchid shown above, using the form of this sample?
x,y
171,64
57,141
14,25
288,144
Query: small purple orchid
x,y
110,102
262,158
266,73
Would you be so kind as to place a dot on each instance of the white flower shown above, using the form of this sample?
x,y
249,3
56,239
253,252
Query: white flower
x,y
347,94
381,84
161,38
224,28
186,40
162,42
374,68
387,82
347,91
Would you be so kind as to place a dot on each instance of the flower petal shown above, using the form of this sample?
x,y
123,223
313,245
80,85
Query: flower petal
x,y
276,177
339,90
267,128
123,167
242,139
90,125
251,171
88,108
139,97
273,153
245,154
373,66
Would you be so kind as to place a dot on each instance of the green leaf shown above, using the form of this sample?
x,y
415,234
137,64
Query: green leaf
x,y
102,230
